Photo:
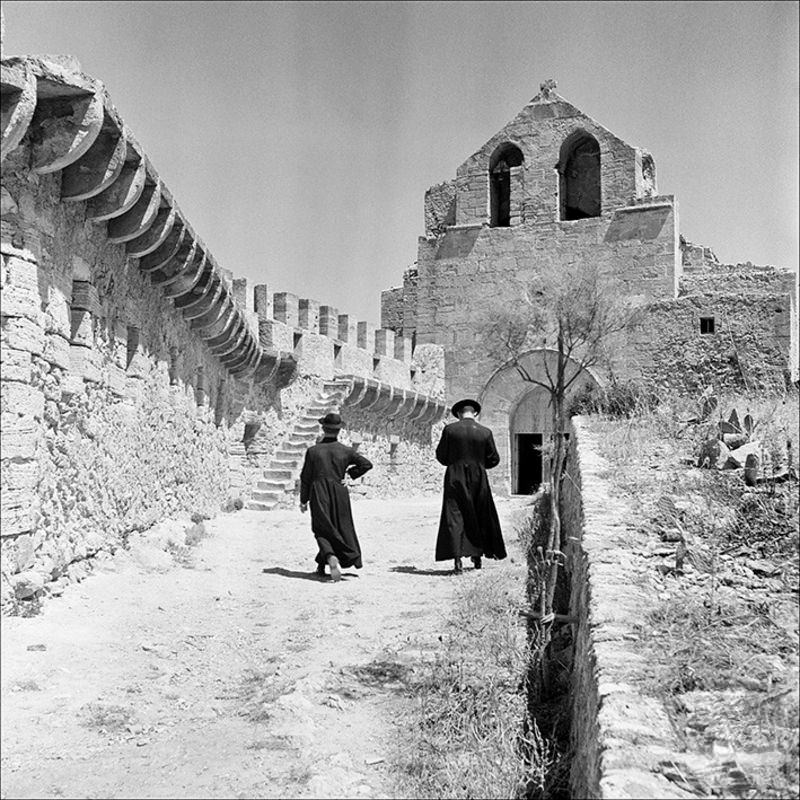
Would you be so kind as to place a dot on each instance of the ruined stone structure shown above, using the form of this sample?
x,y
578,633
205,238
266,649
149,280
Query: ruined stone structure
x,y
553,189
140,380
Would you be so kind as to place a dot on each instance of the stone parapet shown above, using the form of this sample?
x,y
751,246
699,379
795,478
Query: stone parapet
x,y
620,735
103,166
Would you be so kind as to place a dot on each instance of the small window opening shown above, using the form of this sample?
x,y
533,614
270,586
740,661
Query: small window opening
x,y
337,355
298,338
504,158
132,346
413,373
579,178
375,363
706,325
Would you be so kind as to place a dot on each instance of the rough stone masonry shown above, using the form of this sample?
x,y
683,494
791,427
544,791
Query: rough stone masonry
x,y
554,188
141,380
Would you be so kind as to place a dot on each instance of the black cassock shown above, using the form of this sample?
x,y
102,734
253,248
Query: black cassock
x,y
321,486
469,525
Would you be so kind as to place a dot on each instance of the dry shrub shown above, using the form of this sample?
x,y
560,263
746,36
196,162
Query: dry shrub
x,y
469,737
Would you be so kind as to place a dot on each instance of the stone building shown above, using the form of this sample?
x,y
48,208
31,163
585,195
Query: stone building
x,y
553,189
140,379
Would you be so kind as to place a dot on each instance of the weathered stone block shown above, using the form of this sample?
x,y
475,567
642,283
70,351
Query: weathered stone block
x,y
85,297
402,349
16,301
22,399
329,321
71,385
286,308
22,273
17,514
239,291
83,362
384,342
116,379
261,301
20,436
57,315
19,475
308,314
15,365
348,329
23,334
366,336
27,584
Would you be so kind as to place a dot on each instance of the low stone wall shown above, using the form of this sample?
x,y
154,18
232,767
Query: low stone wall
x,y
402,454
619,735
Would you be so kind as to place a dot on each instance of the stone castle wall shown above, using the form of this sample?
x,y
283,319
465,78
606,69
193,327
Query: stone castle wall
x,y
140,380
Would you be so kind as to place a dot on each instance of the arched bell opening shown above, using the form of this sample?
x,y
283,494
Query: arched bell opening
x,y
503,159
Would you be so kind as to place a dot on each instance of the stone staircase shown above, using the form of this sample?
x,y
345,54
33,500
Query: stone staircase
x,y
278,481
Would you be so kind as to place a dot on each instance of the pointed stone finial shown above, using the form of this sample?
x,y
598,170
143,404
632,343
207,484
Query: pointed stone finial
x,y
547,88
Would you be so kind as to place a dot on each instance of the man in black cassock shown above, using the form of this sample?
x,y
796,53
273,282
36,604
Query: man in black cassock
x,y
469,525
322,485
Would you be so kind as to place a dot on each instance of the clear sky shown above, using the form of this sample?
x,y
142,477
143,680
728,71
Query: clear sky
x,y
299,138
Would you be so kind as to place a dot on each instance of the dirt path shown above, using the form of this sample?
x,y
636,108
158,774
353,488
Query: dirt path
x,y
242,676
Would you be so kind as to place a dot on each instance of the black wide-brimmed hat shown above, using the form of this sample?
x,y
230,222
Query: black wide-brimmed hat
x,y
466,402
330,420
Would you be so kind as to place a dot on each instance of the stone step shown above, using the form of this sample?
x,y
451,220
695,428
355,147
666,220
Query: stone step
x,y
285,462
257,505
265,485
285,452
276,474
302,446
266,497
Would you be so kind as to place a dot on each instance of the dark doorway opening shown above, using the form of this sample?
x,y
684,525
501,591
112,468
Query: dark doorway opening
x,y
529,463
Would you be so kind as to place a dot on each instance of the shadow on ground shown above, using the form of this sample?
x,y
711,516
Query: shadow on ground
x,y
412,570
308,576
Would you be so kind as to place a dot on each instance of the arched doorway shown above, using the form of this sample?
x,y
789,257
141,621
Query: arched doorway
x,y
530,429
520,416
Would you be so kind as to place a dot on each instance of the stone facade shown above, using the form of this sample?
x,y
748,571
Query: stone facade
x,y
140,380
554,189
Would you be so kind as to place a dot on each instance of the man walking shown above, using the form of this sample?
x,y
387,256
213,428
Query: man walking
x,y
322,486
469,525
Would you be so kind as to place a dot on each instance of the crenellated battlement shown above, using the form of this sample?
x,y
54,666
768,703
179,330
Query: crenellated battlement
x,y
135,364
75,130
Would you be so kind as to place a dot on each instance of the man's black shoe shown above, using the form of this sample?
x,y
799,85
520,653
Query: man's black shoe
x,y
476,560
458,569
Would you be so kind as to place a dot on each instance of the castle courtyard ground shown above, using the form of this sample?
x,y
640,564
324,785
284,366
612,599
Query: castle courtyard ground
x,y
227,669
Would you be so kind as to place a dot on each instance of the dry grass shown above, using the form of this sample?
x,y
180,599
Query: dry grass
x,y
107,718
468,731
721,639
259,689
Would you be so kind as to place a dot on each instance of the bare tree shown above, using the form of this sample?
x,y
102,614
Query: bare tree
x,y
572,313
